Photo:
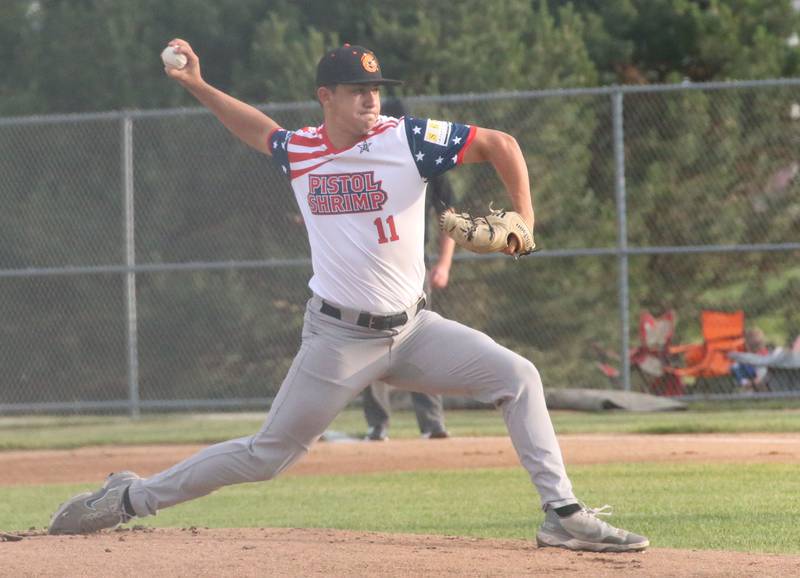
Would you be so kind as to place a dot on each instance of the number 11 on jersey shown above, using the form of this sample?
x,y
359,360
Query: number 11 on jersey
x,y
393,236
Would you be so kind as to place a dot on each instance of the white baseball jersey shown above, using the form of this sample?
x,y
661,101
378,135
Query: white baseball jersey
x,y
364,207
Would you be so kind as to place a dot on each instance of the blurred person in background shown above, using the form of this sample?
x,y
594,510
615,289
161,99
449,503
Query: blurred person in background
x,y
751,377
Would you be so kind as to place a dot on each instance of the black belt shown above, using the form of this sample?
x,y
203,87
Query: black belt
x,y
370,321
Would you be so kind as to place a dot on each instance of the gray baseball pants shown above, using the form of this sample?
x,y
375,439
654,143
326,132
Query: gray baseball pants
x,y
337,359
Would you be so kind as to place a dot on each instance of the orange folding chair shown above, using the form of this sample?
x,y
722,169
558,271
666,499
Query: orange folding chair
x,y
722,333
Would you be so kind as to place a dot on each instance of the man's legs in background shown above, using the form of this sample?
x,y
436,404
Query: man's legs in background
x,y
430,415
377,410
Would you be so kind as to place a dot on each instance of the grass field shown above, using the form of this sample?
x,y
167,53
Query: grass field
x,y
747,507
731,507
71,432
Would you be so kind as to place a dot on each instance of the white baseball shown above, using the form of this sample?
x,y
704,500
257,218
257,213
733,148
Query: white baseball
x,y
173,59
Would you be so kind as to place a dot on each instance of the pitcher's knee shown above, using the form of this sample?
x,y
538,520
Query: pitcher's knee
x,y
522,377
272,454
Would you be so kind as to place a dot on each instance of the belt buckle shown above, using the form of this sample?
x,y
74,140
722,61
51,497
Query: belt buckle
x,y
399,319
383,322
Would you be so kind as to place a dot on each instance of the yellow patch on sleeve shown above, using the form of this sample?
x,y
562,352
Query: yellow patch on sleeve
x,y
437,132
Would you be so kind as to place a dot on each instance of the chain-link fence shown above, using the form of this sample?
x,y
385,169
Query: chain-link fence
x,y
149,261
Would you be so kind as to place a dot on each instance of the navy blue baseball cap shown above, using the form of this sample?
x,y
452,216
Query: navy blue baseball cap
x,y
351,65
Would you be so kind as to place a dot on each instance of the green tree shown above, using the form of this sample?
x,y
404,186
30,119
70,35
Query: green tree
x,y
282,61
18,92
641,41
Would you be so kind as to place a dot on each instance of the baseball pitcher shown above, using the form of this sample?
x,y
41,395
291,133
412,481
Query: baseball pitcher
x,y
359,180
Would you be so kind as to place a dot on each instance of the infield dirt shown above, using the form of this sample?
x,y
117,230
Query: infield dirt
x,y
293,552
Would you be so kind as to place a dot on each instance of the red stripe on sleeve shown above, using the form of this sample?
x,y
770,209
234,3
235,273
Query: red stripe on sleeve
x,y
306,141
470,136
297,157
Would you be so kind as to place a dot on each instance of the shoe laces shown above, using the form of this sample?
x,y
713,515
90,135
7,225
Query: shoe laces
x,y
604,510
596,513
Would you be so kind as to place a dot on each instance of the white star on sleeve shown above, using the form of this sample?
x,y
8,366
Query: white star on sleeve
x,y
419,156
275,144
439,160
457,140
417,130
455,158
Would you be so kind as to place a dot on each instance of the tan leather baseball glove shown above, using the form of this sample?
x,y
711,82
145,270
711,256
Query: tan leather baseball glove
x,y
489,234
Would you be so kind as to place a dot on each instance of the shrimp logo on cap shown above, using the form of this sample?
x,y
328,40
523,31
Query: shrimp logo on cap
x,y
369,62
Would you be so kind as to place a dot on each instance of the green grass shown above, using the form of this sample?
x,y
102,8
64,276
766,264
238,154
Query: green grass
x,y
722,506
70,432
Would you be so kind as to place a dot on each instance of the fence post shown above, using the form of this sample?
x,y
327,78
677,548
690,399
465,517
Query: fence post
x,y
130,262
622,234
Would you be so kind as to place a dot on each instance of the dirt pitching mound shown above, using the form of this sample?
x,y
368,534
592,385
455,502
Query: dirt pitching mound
x,y
291,552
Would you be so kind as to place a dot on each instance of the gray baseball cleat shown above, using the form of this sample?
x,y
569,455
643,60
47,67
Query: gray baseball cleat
x,y
90,512
583,530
